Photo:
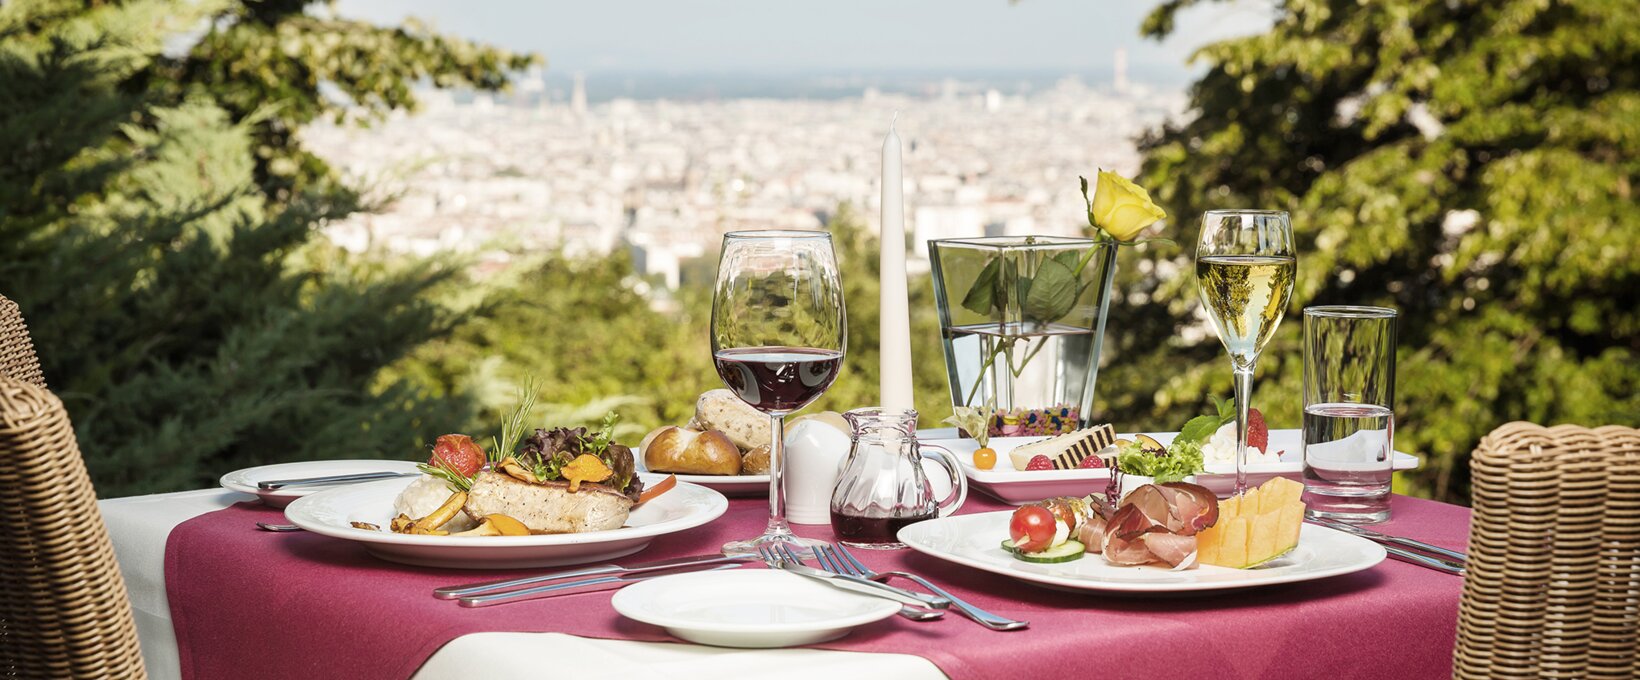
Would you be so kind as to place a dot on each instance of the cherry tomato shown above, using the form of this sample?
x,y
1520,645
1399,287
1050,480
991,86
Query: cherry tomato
x,y
985,458
1032,528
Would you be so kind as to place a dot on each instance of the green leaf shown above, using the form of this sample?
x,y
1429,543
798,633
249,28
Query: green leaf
x,y
1227,409
982,296
1053,291
1198,429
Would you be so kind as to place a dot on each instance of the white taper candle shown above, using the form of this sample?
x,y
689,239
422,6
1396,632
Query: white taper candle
x,y
894,332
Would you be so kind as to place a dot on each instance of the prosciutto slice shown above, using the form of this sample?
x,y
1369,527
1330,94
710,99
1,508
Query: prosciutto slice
x,y
1156,524
1192,505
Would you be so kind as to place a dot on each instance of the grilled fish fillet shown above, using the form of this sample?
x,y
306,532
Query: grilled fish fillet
x,y
549,507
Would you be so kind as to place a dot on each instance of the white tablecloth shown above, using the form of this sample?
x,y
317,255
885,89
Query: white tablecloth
x,y
139,526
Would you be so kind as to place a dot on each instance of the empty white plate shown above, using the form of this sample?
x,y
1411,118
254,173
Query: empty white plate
x,y
244,481
749,608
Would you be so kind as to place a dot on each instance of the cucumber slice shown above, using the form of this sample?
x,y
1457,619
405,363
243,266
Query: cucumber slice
x,y
1008,545
1064,552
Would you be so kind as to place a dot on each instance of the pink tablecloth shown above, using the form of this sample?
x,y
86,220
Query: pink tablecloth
x,y
253,604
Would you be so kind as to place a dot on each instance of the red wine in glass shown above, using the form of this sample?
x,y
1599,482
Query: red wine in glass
x,y
778,380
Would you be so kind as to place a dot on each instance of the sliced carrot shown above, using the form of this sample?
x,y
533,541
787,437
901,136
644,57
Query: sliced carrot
x,y
664,486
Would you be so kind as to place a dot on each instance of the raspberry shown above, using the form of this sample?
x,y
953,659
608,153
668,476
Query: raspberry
x,y
1258,434
1039,463
1091,462
459,453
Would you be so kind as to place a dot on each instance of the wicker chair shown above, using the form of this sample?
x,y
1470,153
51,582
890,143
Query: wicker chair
x,y
1553,589
17,360
64,612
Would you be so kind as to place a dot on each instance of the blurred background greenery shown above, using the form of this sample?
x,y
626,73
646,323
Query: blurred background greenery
x,y
1471,163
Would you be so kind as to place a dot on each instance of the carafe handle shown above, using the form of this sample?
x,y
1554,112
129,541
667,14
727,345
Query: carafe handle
x,y
959,481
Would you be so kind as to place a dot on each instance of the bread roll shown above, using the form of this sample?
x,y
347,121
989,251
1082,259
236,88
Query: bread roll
x,y
675,449
755,462
722,410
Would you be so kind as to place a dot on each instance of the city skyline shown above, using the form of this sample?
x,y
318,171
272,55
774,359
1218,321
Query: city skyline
x,y
922,38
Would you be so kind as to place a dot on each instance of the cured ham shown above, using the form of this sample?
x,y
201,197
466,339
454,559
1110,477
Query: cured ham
x,y
1157,524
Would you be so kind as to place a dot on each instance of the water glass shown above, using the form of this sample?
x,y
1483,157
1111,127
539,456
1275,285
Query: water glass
x,y
1349,417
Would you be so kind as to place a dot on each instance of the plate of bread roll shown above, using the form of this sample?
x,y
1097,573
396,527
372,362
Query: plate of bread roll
x,y
725,447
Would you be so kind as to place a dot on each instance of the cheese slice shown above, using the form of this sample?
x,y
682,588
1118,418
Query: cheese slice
x,y
1067,450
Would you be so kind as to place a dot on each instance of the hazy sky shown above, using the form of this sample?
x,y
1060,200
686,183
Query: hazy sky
x,y
830,36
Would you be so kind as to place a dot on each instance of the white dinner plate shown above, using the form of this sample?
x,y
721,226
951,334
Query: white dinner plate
x,y
244,481
749,608
330,512
974,541
1019,487
728,485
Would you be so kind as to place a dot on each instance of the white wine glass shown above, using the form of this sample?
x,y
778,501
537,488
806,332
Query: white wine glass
x,y
1244,271
778,333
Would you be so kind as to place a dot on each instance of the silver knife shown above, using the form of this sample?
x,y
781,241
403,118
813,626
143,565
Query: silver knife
x,y
866,586
472,589
596,583
1427,561
273,484
1451,555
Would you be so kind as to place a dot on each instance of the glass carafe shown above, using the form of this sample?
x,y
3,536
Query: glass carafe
x,y
883,486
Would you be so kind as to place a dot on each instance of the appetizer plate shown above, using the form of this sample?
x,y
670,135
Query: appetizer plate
x,y
749,608
244,481
973,540
329,513
1019,487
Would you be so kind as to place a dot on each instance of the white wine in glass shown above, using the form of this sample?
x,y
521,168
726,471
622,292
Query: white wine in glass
x,y
1244,271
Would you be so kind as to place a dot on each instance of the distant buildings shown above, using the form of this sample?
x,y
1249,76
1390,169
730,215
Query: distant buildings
x,y
665,179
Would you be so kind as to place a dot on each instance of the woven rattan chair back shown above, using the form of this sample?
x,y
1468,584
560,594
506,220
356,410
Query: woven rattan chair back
x,y
63,606
1553,589
17,359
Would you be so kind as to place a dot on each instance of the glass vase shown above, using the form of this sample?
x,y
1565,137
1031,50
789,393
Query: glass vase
x,y
1022,321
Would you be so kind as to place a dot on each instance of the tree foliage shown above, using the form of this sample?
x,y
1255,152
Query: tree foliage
x,y
1471,163
184,311
586,331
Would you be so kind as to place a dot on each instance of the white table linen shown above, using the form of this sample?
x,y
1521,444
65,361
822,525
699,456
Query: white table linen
x,y
139,526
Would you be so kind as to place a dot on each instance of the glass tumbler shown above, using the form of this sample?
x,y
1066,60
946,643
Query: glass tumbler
x,y
1349,417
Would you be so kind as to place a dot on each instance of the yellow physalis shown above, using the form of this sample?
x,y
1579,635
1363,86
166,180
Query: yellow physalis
x,y
585,468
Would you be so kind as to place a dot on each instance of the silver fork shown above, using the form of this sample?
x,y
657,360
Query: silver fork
x,y
782,557
837,558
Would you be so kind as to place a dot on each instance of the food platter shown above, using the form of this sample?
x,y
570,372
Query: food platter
x,y
331,511
1019,487
971,540
245,480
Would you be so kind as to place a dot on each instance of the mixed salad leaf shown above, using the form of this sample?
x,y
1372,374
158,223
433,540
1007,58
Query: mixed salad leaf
x,y
1183,457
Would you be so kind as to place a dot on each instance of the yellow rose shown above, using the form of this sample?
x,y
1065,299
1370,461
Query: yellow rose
x,y
1122,208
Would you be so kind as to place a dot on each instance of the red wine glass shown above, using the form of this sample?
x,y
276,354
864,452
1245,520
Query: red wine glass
x,y
778,330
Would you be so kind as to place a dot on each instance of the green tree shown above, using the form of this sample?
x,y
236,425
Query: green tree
x,y
1468,162
590,335
184,311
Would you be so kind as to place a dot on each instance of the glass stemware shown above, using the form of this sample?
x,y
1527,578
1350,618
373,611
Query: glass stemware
x,y
1245,265
778,333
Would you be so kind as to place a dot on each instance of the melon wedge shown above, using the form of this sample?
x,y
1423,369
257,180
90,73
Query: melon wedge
x,y
1258,527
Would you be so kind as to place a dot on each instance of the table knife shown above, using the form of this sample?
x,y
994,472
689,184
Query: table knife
x,y
1428,561
584,585
273,484
472,589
